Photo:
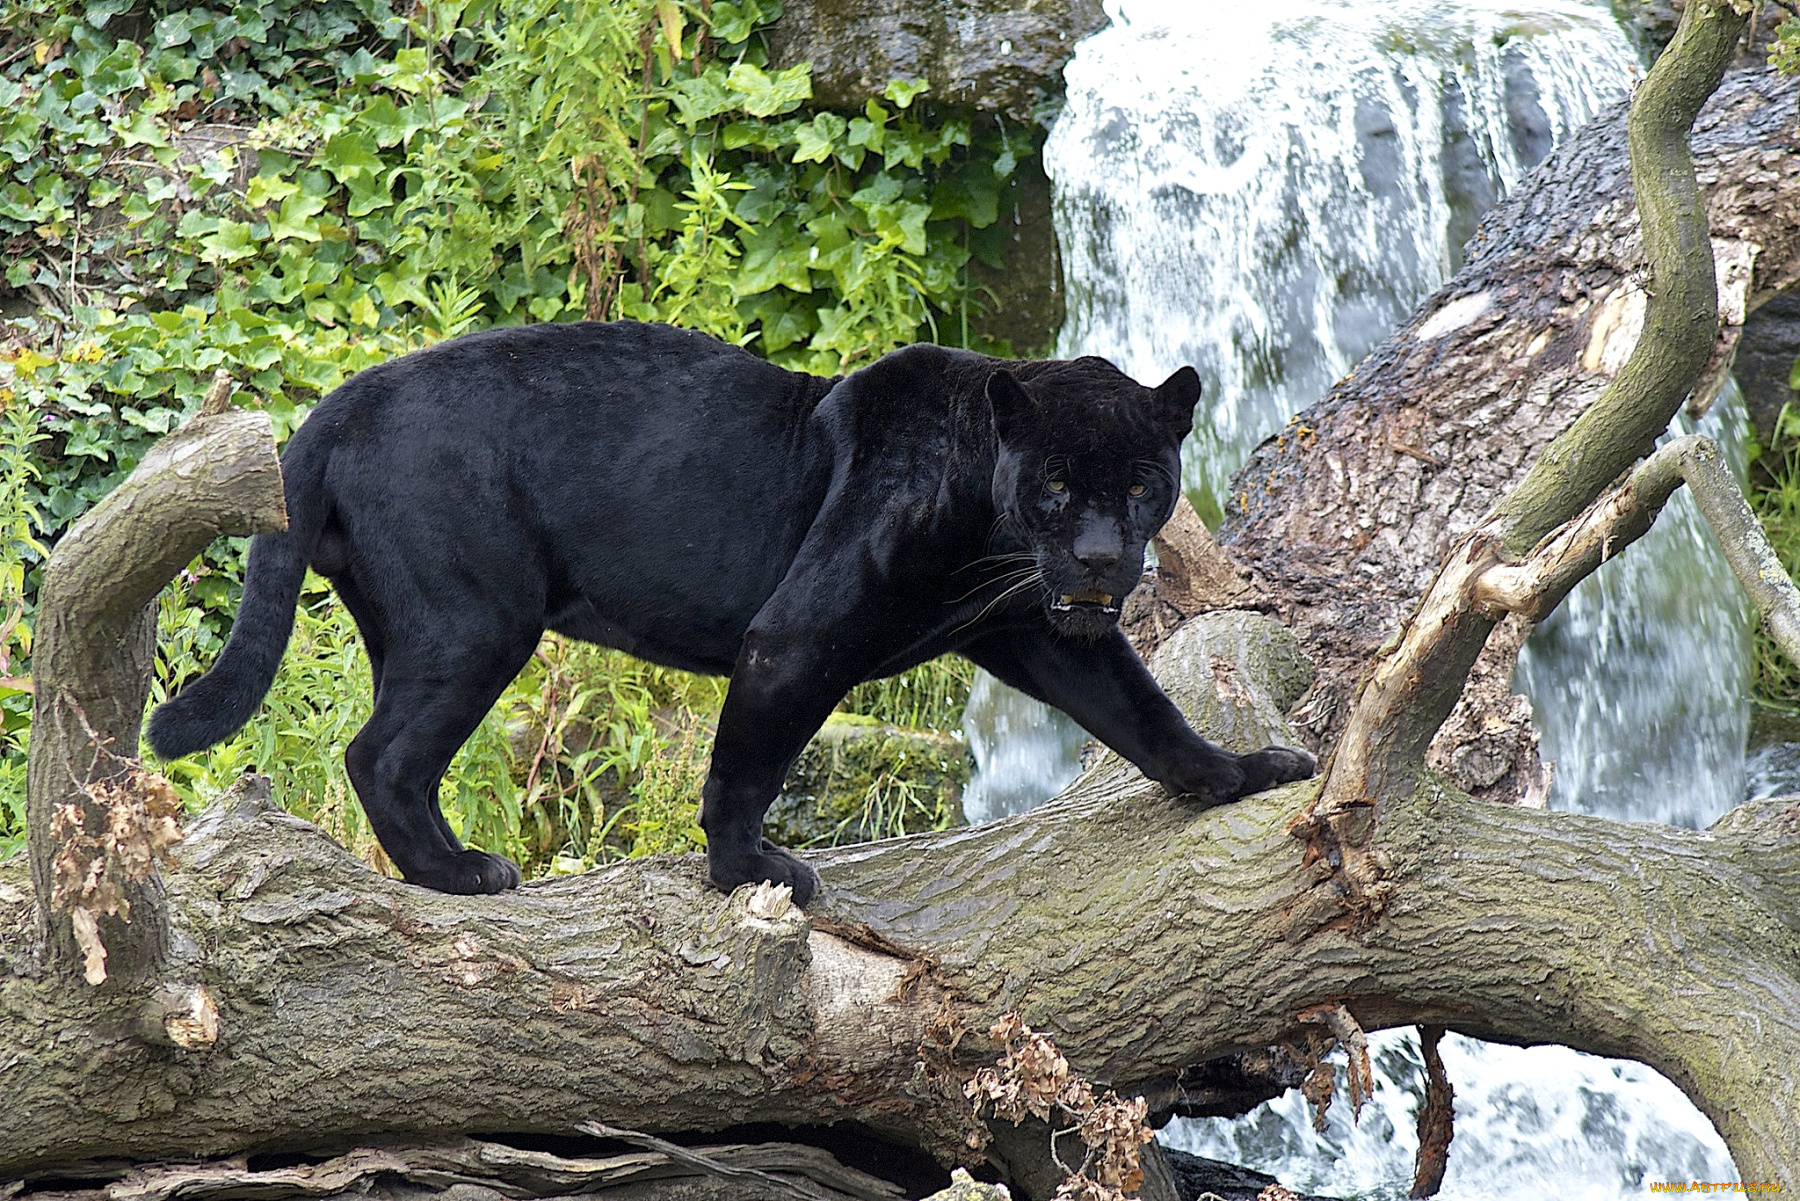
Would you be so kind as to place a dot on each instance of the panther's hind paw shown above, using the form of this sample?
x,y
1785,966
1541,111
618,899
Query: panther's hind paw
x,y
1275,765
769,862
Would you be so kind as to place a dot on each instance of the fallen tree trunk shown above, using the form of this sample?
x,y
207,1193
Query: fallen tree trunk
x,y
1141,935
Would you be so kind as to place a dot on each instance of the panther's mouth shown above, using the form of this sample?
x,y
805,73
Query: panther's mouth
x,y
1069,601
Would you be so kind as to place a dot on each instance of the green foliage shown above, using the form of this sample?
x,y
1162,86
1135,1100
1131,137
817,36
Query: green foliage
x,y
929,697
1775,496
18,518
1784,55
300,189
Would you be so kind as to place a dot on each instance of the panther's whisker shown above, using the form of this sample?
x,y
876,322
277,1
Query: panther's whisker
x,y
1001,578
1036,577
1012,557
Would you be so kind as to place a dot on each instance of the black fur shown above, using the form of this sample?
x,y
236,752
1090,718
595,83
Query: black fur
x,y
654,490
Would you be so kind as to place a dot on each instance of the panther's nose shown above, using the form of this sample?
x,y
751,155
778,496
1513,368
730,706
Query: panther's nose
x,y
1098,550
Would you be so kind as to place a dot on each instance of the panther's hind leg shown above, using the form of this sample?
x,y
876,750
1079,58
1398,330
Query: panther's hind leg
x,y
431,700
374,637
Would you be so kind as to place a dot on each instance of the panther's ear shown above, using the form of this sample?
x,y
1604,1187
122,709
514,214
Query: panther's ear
x,y
1007,401
1174,399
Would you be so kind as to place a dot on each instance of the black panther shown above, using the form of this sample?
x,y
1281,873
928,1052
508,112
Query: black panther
x,y
655,490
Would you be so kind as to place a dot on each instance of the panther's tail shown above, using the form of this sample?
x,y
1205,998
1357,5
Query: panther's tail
x,y
216,705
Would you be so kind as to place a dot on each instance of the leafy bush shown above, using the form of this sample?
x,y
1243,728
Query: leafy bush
x,y
299,189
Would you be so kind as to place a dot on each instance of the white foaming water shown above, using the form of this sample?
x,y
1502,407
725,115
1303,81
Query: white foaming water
x,y
1024,752
1265,194
1530,1122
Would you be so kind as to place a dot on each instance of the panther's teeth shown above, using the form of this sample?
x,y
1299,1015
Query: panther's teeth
x,y
1103,599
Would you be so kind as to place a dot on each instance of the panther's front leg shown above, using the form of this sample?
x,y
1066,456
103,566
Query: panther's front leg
x,y
1104,686
781,691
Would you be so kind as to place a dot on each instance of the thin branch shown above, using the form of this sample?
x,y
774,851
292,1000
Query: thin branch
x,y
1537,585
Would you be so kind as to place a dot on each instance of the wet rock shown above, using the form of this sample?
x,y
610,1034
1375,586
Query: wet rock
x,y
1197,1177
1766,354
1022,297
861,779
998,56
1650,24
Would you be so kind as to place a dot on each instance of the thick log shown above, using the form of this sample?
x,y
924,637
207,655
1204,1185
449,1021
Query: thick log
x,y
1142,935
1344,521
97,822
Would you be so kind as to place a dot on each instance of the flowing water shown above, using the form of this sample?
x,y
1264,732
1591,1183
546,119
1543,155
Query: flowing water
x,y
1264,192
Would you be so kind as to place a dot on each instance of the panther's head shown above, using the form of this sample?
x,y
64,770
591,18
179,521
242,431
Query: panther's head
x,y
1088,469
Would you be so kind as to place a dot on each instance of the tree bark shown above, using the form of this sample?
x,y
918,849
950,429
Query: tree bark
x,y
1344,519
1142,935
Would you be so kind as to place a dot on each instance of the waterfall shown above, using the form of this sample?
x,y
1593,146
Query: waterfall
x,y
1264,194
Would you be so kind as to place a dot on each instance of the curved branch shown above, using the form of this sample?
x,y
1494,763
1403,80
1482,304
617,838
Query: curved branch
x,y
1681,312
96,822
1416,680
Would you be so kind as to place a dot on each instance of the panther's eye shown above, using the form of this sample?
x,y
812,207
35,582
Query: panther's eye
x,y
1136,490
1056,485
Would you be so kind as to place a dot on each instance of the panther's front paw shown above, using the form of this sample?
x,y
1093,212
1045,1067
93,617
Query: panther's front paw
x,y
1275,765
768,862
466,873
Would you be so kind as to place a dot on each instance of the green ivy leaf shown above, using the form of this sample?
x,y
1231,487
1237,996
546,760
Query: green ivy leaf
x,y
350,154
971,193
903,223
388,123
784,323
266,189
364,312
702,96
815,140
295,219
775,255
903,92
369,193
765,95
230,242
411,72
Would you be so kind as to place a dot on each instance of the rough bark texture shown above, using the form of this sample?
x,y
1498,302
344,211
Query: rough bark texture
x,y
1346,524
1142,935
95,646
